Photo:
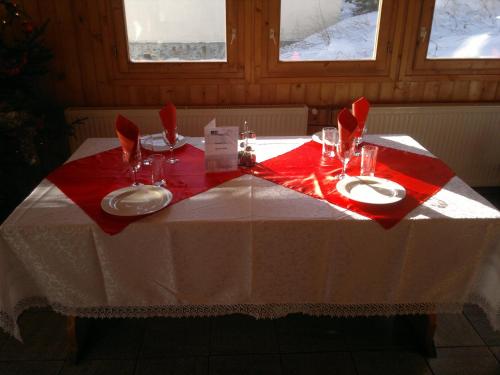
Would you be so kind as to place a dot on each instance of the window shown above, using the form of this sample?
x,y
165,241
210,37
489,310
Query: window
x,y
329,39
454,37
464,29
176,39
273,41
175,31
328,30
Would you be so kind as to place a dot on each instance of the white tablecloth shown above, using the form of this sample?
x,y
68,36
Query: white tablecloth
x,y
253,247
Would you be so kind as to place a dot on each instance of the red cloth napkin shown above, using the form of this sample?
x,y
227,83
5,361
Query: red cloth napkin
x,y
128,134
347,124
88,180
168,115
302,171
360,109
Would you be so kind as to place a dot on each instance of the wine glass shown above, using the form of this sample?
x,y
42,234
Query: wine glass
x,y
171,137
146,142
345,151
360,132
133,159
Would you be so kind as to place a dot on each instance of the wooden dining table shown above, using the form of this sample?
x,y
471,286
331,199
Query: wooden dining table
x,y
251,246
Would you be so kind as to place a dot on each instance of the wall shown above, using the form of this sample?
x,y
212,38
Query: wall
x,y
79,76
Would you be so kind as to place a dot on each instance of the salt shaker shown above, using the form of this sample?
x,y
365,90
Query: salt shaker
x,y
249,156
242,145
246,154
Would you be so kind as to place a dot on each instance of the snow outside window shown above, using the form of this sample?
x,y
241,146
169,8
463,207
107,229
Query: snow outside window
x,y
176,30
465,29
328,30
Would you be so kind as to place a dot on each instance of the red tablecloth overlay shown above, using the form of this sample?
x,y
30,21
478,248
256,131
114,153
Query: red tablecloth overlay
x,y
302,170
88,180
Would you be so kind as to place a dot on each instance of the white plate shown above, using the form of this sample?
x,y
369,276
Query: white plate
x,y
136,200
371,190
317,137
160,144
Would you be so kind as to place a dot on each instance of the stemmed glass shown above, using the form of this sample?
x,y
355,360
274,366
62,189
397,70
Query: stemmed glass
x,y
171,138
134,161
345,152
360,132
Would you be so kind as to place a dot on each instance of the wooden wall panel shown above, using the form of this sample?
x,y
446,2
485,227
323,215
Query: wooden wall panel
x,y
445,90
297,93
67,51
81,16
461,91
313,93
342,95
81,73
238,94
253,93
224,95
489,90
95,33
356,89
431,91
387,92
371,91
267,94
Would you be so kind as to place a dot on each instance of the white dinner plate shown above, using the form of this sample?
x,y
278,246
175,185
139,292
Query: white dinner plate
x,y
157,143
371,190
317,137
136,200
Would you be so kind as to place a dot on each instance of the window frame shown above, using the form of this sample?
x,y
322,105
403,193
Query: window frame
x,y
254,57
124,68
382,67
418,66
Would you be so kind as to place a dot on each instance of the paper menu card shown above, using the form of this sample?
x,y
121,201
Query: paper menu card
x,y
221,148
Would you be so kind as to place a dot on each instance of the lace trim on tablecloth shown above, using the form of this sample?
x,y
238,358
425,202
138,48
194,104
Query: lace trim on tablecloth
x,y
263,311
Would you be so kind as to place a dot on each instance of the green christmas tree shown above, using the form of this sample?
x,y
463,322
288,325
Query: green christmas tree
x,y
33,132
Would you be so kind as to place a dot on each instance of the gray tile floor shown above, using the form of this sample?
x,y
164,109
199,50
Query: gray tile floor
x,y
238,344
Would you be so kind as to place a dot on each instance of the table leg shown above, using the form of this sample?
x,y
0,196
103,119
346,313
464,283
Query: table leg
x,y
76,333
72,341
424,327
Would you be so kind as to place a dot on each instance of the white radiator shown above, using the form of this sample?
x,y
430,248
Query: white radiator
x,y
99,122
467,138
